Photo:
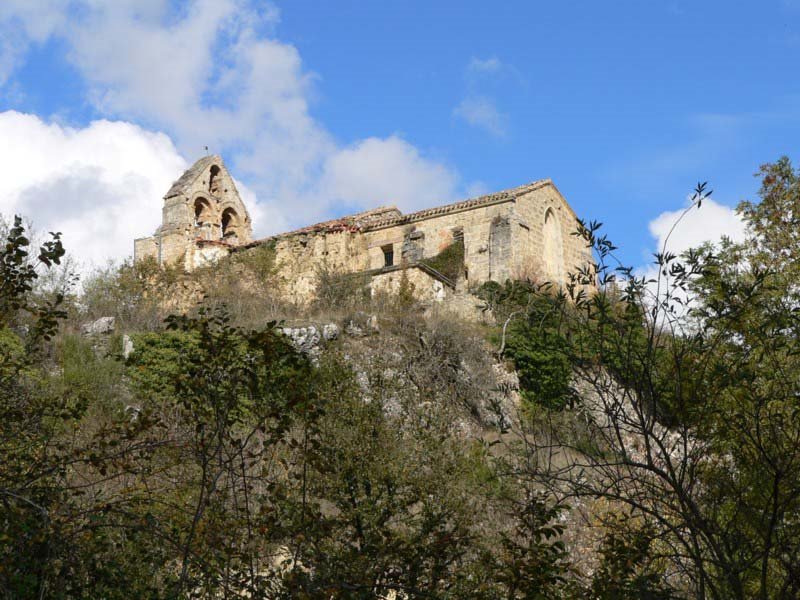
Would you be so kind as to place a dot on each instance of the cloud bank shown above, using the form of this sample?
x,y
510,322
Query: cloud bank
x,y
478,108
709,223
206,73
99,185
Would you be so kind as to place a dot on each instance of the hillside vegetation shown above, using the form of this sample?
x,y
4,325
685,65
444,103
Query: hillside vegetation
x,y
640,441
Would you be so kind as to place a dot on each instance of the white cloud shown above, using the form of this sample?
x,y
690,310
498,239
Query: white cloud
x,y
482,113
484,66
22,23
390,170
479,108
676,234
209,75
707,224
477,188
222,85
101,185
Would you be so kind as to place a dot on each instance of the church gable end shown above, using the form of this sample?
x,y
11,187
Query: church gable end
x,y
201,208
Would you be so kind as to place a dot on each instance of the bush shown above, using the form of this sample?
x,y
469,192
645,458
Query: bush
x,y
543,367
86,376
157,361
132,293
336,291
243,284
450,261
12,351
531,338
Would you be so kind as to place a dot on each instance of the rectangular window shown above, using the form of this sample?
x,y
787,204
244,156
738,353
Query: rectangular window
x,y
388,255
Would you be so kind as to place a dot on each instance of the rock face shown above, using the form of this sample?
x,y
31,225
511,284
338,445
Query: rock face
x,y
361,324
304,339
330,331
102,326
127,346
440,367
309,340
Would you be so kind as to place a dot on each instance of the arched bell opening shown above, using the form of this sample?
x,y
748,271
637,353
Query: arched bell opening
x,y
214,180
202,211
231,224
203,218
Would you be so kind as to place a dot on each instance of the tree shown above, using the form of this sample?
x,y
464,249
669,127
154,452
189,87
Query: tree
x,y
29,416
688,383
233,403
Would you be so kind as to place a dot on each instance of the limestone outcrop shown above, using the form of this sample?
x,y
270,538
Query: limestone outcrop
x,y
101,326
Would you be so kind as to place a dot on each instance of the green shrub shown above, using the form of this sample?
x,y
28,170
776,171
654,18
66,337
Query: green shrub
x,y
450,261
87,377
12,352
158,360
533,339
543,366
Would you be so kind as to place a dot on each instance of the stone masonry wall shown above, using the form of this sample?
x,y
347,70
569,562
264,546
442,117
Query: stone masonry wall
x,y
520,233
425,288
202,207
300,258
475,224
528,237
144,248
502,240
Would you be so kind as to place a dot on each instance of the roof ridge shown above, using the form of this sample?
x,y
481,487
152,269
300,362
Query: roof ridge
x,y
348,222
499,196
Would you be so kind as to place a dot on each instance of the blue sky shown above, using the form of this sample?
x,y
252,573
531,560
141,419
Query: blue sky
x,y
320,108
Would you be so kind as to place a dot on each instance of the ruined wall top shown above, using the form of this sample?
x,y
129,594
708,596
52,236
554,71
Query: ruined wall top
x,y
183,185
389,216
486,200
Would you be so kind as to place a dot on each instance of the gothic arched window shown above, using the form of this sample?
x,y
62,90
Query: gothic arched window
x,y
553,248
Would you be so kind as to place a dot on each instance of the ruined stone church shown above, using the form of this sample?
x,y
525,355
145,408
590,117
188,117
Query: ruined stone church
x,y
518,233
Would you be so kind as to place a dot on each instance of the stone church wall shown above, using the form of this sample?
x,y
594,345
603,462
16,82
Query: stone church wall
x,y
300,258
520,233
532,259
510,238
202,216
438,233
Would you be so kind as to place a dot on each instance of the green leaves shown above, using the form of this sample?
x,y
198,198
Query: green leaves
x,y
542,363
18,273
532,563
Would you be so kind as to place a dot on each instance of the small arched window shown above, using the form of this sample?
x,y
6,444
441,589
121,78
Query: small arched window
x,y
230,224
202,211
213,180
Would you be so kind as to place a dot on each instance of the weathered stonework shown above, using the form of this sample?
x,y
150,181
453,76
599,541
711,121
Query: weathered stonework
x,y
519,233
202,220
